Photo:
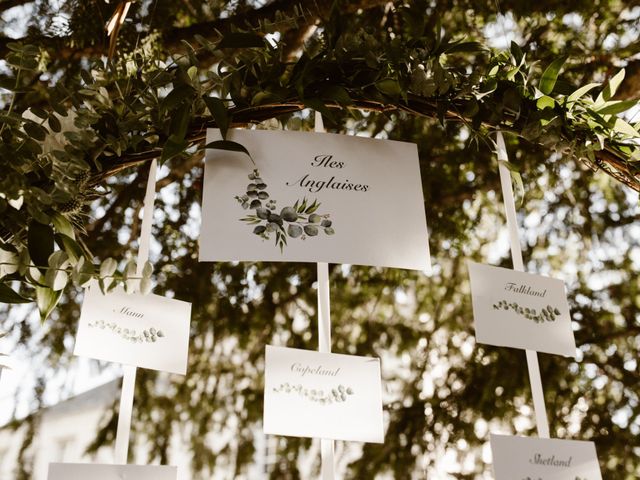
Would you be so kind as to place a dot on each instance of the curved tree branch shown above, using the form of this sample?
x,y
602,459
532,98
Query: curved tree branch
x,y
606,160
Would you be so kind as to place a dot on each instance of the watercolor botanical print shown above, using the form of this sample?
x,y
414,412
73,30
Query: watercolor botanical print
x,y
331,395
129,334
322,395
313,197
532,458
545,314
300,220
520,310
147,331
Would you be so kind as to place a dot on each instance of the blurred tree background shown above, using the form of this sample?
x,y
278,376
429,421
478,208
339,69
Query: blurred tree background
x,y
419,71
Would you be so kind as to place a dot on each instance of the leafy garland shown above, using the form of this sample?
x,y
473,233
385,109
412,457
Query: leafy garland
x,y
56,160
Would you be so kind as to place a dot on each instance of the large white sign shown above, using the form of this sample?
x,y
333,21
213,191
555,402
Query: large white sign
x,y
521,310
147,331
88,471
522,458
314,197
322,395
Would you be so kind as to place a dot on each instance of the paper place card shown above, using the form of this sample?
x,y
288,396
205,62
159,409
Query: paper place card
x,y
523,458
521,310
314,197
147,331
84,471
322,395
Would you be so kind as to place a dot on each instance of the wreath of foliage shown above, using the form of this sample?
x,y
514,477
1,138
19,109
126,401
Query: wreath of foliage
x,y
125,113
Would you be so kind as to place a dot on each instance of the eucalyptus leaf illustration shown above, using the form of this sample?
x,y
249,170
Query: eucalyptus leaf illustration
x,y
149,335
299,221
547,314
339,394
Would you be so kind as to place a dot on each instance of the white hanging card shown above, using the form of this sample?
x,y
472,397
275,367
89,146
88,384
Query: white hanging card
x,y
147,331
322,395
85,471
314,197
524,458
520,310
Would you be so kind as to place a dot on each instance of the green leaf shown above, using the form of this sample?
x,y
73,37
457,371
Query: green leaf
x,y
545,102
146,285
172,147
611,87
8,262
241,40
54,123
86,77
219,113
56,279
487,87
36,131
516,51
8,295
229,146
176,96
389,86
129,274
623,127
147,270
47,299
464,47
40,243
70,246
614,107
82,273
337,94
39,112
58,259
56,276
579,93
192,71
108,268
180,119
550,75
62,225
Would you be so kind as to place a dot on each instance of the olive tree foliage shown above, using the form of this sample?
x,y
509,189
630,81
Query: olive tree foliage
x,y
78,131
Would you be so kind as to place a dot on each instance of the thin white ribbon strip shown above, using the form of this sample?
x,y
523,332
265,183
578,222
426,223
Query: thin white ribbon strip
x,y
129,372
539,407
327,466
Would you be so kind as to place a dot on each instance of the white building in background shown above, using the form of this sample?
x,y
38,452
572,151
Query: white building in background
x,y
66,429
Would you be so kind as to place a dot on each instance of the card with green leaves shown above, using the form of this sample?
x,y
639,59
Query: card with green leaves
x,y
525,458
313,197
148,331
322,395
84,471
520,310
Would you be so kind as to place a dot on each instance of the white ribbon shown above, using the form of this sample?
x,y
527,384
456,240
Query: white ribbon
x,y
129,377
327,467
542,422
